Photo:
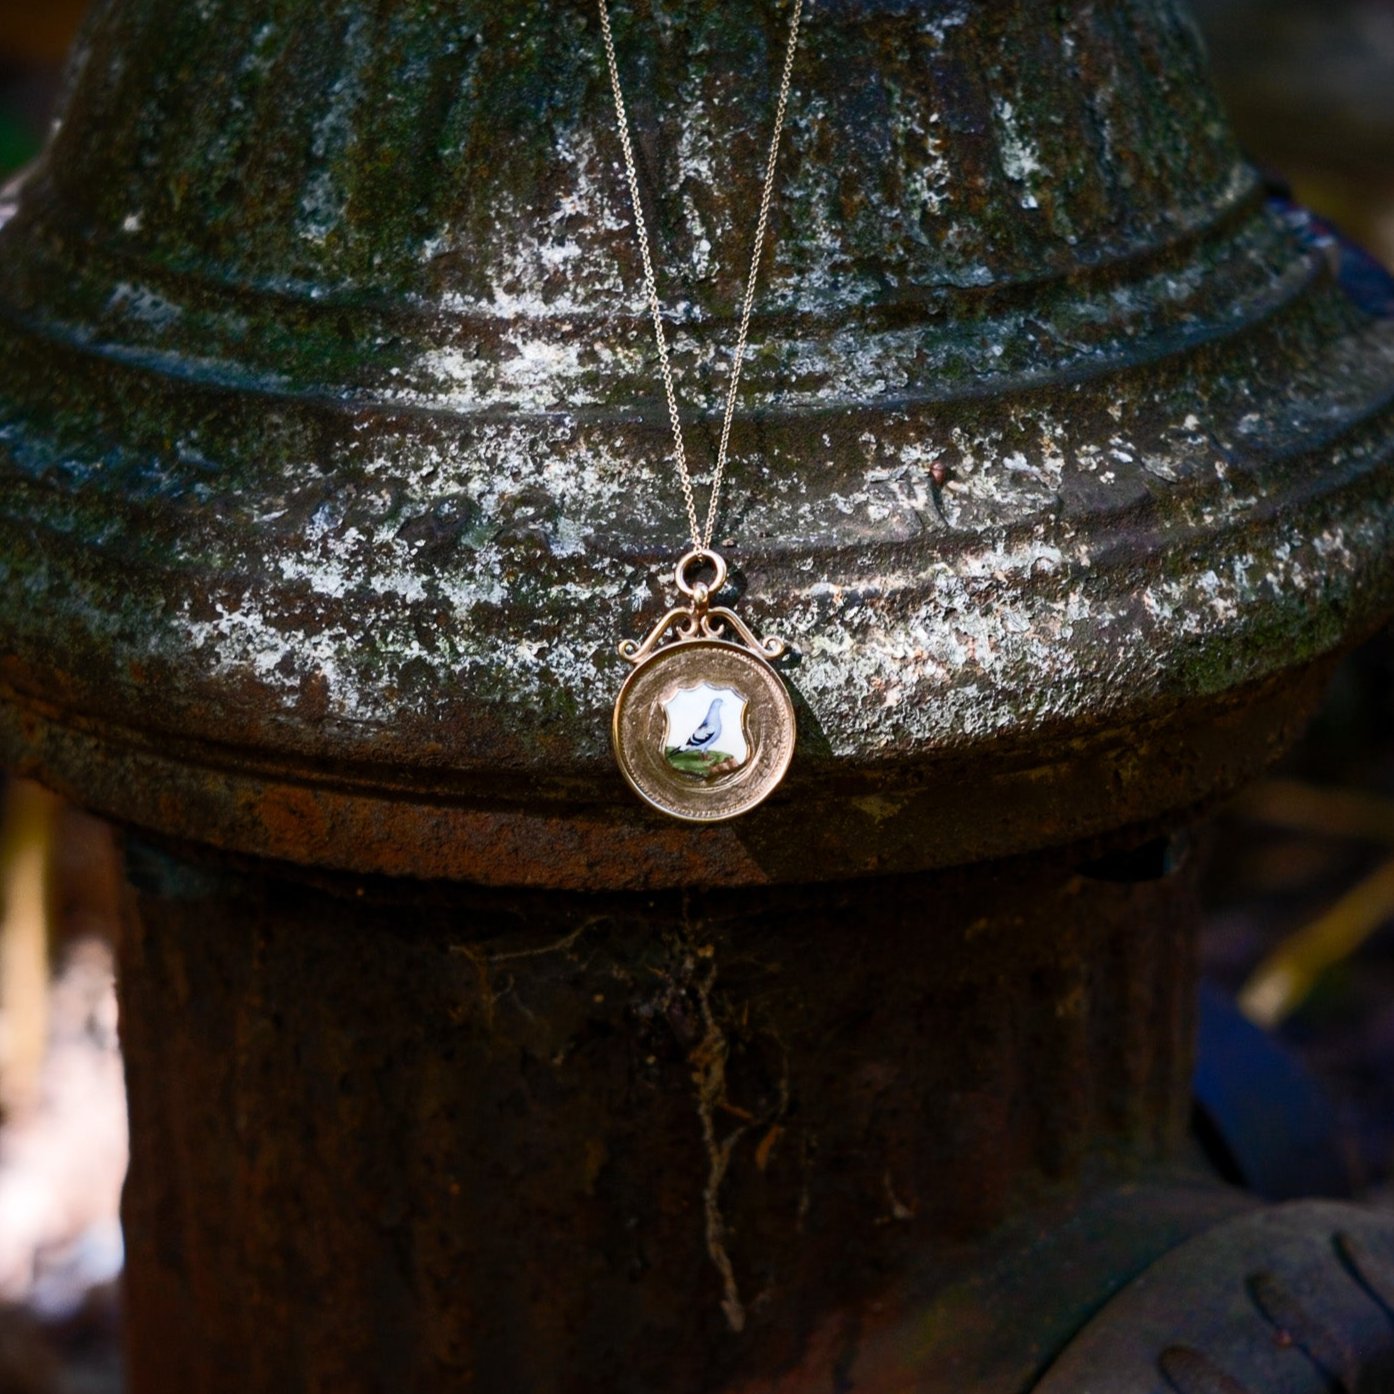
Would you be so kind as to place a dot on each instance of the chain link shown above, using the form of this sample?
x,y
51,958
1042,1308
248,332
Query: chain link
x,y
701,539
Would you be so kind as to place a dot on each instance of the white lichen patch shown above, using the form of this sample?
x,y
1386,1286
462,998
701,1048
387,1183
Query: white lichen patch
x,y
1004,472
697,176
146,307
531,374
814,270
324,197
983,646
937,25
538,268
1021,160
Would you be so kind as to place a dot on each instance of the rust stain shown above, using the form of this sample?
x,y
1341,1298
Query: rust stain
x,y
294,821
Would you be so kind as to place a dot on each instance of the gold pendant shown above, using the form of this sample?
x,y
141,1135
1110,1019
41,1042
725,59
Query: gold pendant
x,y
704,726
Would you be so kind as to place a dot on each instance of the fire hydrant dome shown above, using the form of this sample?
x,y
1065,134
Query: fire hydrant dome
x,y
334,462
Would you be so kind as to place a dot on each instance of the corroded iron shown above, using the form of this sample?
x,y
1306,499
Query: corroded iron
x,y
328,425
388,1136
1292,1300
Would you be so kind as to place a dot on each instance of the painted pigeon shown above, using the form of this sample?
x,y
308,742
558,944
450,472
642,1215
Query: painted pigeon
x,y
705,736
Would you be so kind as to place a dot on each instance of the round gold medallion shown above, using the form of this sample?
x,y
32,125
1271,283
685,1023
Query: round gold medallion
x,y
703,730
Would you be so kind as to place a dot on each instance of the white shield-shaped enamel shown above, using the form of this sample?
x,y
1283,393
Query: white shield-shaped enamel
x,y
687,708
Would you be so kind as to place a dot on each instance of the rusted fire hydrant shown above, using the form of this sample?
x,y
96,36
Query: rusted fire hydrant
x,y
332,469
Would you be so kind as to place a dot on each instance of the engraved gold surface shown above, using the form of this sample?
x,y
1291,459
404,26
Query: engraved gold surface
x,y
640,730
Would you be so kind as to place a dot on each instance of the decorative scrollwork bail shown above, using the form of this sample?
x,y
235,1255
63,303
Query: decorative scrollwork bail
x,y
699,619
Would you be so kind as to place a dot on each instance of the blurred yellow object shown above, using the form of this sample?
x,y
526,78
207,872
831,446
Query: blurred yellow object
x,y
26,848
1283,980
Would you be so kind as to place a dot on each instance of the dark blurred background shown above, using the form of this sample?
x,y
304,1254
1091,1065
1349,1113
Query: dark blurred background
x,y
34,37
1299,884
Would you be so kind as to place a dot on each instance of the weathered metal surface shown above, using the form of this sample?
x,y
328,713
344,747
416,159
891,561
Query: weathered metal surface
x,y
404,1137
331,462
1297,1299
331,470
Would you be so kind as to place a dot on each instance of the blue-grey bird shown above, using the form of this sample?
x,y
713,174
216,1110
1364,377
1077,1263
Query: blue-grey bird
x,y
705,736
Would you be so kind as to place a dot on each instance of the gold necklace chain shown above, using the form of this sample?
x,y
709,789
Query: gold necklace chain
x,y
701,538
